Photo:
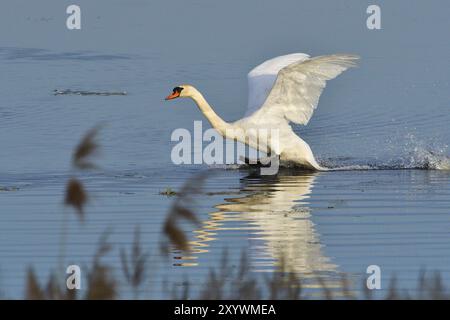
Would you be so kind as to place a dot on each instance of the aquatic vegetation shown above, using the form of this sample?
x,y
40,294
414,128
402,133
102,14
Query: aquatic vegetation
x,y
100,282
7,189
76,196
50,291
134,264
86,149
168,192
225,282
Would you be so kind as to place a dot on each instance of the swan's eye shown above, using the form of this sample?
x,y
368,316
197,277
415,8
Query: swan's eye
x,y
177,89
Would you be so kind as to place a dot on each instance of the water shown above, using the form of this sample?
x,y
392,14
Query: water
x,y
390,114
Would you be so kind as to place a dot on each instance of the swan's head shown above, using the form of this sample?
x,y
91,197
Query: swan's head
x,y
182,91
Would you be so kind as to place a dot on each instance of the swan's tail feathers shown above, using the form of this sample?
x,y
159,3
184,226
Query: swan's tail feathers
x,y
316,166
313,165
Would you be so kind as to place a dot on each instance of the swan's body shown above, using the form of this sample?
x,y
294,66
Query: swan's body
x,y
281,90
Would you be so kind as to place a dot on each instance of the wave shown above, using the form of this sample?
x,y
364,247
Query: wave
x,y
419,159
89,93
414,153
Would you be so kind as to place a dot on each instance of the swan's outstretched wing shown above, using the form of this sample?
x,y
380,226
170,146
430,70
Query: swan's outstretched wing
x,y
262,78
297,89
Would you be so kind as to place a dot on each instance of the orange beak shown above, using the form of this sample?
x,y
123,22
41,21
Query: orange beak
x,y
173,96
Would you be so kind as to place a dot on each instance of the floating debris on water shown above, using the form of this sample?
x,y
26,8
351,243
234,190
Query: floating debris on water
x,y
168,192
89,93
8,188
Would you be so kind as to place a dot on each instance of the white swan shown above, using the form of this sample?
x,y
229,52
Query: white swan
x,y
281,90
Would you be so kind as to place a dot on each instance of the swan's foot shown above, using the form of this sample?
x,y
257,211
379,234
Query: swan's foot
x,y
258,163
267,166
273,163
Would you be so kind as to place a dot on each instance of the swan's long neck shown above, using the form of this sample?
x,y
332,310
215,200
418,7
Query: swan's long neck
x,y
216,121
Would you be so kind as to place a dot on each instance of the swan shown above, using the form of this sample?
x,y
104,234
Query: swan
x,y
281,90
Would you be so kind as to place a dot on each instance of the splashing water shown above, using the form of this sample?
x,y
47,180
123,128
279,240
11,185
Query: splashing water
x,y
415,154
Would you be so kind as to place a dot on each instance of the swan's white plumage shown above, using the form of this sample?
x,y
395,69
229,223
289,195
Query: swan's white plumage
x,y
281,90
262,78
297,89
287,89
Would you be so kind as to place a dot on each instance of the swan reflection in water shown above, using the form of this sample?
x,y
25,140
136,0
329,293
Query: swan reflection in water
x,y
275,214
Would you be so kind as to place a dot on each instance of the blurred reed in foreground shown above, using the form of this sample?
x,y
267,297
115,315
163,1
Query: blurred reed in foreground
x,y
226,282
76,195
